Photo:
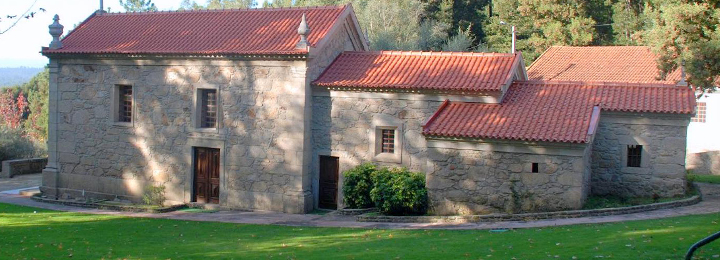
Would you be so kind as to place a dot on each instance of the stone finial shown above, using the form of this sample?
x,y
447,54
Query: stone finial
x,y
303,31
56,30
683,78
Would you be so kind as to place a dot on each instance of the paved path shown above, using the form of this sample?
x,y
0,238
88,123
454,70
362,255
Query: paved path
x,y
710,204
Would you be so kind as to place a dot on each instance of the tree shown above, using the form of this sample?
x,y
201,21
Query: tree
x,y
228,4
685,32
539,25
138,5
12,109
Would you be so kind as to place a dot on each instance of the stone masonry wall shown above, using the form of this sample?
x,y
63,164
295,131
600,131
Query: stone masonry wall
x,y
663,156
459,181
477,182
259,136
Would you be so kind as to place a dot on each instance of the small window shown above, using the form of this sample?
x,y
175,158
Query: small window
x,y
125,102
634,155
535,167
388,141
208,118
700,113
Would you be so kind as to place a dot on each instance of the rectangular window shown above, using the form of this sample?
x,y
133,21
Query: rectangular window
x,y
208,117
125,102
634,155
700,113
535,167
388,141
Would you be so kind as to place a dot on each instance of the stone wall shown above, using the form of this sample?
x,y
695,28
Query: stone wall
x,y
11,168
662,170
260,130
477,182
704,162
460,181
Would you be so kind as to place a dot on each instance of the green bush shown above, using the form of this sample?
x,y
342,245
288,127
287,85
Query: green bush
x,y
13,145
399,192
154,195
357,185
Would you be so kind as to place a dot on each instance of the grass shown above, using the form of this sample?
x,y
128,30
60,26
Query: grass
x,y
715,179
30,233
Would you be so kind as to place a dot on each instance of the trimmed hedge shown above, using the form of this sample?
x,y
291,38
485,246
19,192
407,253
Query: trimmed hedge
x,y
357,185
395,191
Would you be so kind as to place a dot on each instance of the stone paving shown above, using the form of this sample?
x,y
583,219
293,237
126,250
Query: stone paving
x,y
710,204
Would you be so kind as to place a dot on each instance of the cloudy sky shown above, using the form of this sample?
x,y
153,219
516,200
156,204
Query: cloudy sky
x,y
20,46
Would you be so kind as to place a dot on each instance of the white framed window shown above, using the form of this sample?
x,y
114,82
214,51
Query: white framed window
x,y
206,111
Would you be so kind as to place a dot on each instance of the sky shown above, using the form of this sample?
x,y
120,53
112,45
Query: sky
x,y
21,45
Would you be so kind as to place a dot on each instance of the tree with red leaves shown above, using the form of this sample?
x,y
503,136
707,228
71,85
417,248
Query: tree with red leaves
x,y
12,110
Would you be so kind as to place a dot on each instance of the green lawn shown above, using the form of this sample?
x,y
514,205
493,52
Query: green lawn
x,y
61,235
704,178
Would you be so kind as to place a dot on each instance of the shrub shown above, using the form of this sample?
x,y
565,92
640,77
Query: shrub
x,y
357,185
154,195
399,192
13,145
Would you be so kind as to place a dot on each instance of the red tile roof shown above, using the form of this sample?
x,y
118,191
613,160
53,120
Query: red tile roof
x,y
554,111
599,63
448,71
208,32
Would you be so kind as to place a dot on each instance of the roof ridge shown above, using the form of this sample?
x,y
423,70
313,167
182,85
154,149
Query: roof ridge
x,y
598,83
229,10
433,53
597,46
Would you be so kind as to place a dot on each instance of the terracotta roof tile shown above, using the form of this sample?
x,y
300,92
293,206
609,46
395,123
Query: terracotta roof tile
x,y
456,71
599,63
207,32
554,111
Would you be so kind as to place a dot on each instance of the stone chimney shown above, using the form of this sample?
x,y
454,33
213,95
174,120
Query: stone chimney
x,y
682,82
303,31
56,30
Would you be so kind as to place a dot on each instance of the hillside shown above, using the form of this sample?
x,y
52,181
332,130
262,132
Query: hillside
x,y
16,76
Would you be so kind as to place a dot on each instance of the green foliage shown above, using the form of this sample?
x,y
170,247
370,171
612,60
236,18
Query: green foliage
x,y
462,41
357,184
138,5
685,32
154,195
398,191
15,145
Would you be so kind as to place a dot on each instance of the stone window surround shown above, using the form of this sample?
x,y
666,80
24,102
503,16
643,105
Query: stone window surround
x,y
379,123
203,142
644,155
115,104
196,111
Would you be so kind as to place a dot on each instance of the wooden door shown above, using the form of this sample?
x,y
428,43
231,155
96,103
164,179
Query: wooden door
x,y
328,182
207,175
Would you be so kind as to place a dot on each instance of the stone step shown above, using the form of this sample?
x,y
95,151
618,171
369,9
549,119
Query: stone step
x,y
29,192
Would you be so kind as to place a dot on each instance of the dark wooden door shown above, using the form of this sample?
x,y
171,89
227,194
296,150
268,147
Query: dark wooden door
x,y
207,175
328,182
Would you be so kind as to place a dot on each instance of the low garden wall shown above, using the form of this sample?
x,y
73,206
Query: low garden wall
x,y
530,216
11,168
704,162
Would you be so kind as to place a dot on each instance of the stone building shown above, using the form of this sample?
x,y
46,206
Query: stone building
x,y
637,64
265,108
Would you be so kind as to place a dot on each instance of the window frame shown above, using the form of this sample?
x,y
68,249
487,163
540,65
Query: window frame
x,y
382,122
633,156
205,108
197,110
116,103
385,134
